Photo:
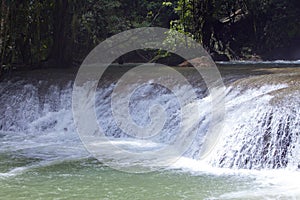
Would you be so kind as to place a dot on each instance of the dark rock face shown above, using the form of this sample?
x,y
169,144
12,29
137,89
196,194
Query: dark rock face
x,y
5,72
172,60
285,53
137,56
219,57
143,56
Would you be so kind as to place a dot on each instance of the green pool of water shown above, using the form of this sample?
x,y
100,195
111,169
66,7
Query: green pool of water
x,y
89,179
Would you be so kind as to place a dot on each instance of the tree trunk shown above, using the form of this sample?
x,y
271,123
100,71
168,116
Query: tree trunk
x,y
3,31
59,56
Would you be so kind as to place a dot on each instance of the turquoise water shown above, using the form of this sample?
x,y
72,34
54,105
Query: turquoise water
x,y
89,179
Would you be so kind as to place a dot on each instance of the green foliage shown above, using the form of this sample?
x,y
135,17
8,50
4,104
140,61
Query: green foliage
x,y
233,25
62,32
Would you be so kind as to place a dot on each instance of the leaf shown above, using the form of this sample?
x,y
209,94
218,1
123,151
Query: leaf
x,y
167,3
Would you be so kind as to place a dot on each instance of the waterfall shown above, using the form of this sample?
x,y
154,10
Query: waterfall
x,y
260,129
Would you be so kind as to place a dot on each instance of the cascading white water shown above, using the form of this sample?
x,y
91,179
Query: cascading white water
x,y
37,119
36,123
260,130
257,156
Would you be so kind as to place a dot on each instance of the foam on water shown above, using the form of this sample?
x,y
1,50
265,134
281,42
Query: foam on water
x,y
241,62
265,184
258,139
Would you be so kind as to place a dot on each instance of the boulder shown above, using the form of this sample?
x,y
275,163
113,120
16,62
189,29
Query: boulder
x,y
219,56
197,62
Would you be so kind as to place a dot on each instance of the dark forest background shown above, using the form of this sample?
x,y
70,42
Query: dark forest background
x,y
60,33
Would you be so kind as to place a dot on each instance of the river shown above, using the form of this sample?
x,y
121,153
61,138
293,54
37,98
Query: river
x,y
257,155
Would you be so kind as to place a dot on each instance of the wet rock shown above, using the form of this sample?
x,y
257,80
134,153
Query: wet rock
x,y
219,56
171,60
197,62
